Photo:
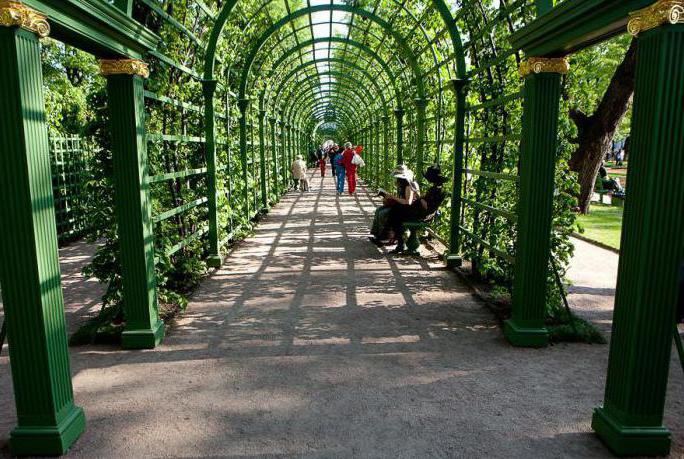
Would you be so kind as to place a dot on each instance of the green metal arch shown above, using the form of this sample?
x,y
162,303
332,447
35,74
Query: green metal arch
x,y
326,39
335,96
360,46
331,73
352,98
340,61
440,5
406,50
302,98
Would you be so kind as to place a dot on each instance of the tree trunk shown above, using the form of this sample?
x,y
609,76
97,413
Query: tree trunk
x,y
596,132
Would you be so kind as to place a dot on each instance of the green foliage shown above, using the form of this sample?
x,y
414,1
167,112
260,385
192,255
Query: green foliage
x,y
77,103
69,76
592,71
562,331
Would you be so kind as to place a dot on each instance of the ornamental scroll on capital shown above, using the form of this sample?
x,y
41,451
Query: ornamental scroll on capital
x,y
544,65
660,13
16,14
124,67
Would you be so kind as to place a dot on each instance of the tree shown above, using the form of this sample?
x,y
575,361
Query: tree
x,y
595,133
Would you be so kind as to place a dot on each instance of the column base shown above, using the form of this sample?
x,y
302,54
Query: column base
x,y
453,260
48,440
215,261
525,336
143,339
630,440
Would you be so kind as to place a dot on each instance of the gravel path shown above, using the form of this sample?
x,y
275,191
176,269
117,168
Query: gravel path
x,y
82,297
312,342
593,273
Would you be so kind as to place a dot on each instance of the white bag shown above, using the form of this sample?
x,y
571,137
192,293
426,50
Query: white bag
x,y
357,160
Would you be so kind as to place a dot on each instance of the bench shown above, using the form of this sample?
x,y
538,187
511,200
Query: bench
x,y
413,243
598,189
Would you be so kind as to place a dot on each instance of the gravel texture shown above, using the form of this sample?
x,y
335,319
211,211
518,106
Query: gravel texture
x,y
312,342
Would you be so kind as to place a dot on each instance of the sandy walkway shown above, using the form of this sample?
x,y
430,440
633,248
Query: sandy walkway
x,y
312,342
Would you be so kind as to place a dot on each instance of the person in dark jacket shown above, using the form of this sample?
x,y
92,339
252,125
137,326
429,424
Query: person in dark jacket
x,y
340,170
332,152
409,191
421,209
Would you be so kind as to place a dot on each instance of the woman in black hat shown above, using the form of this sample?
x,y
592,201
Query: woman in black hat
x,y
408,194
422,209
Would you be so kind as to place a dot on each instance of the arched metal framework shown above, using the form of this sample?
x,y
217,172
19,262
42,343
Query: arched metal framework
x,y
415,82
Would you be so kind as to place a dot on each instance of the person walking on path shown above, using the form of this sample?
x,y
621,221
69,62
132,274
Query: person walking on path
x,y
340,170
332,153
350,164
322,158
299,174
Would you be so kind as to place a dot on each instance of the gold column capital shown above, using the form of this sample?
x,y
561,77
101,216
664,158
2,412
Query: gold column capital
x,y
660,13
124,67
16,14
544,65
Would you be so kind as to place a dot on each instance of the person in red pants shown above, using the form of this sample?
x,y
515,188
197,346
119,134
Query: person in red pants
x,y
349,166
322,160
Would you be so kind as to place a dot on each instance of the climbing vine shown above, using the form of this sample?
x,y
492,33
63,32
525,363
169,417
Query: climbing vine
x,y
364,67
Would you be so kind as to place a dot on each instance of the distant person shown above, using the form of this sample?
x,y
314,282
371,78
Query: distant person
x,y
332,152
619,158
351,164
299,173
610,184
313,157
322,160
338,161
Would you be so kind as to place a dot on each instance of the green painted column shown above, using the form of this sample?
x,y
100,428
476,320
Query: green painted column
x,y
125,92
421,135
535,207
251,167
48,422
262,158
364,141
283,153
367,141
290,151
361,140
214,260
373,141
377,153
651,251
399,114
453,258
300,145
243,105
274,155
385,150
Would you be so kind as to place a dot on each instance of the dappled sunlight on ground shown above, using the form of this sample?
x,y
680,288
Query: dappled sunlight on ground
x,y
312,342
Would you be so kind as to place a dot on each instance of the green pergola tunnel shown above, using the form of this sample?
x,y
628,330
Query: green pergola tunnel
x,y
414,82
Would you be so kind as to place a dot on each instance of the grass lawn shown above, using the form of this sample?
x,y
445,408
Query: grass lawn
x,y
603,224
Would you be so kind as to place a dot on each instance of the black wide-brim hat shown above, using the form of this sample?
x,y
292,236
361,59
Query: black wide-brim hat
x,y
433,174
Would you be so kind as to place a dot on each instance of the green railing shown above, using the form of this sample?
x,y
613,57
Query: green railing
x,y
70,159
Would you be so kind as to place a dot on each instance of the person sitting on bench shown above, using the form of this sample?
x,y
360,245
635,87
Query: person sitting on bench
x,y
422,209
610,184
408,193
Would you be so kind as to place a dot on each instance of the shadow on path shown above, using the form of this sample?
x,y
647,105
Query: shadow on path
x,y
313,342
